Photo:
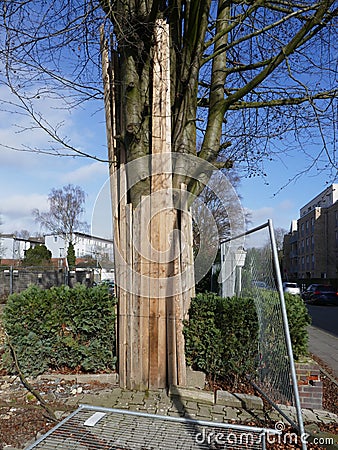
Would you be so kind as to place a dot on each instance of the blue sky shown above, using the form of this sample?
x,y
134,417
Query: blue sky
x,y
27,178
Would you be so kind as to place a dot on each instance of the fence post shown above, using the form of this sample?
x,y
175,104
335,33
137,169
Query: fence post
x,y
287,334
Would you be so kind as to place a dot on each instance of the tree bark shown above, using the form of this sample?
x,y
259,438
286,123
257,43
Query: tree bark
x,y
153,237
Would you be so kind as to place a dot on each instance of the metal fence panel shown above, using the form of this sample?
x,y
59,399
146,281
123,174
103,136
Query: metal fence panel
x,y
90,428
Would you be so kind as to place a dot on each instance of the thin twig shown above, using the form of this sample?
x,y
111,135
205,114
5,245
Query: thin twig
x,y
27,385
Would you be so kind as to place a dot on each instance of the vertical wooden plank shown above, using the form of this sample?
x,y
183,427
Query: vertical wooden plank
x,y
181,364
122,303
121,269
171,315
131,320
160,201
166,227
187,259
142,222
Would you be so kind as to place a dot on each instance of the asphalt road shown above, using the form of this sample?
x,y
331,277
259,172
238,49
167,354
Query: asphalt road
x,y
325,318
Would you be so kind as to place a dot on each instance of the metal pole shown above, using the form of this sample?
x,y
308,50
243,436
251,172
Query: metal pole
x,y
287,334
11,280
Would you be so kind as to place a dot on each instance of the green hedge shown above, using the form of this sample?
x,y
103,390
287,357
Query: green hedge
x,y
221,336
61,327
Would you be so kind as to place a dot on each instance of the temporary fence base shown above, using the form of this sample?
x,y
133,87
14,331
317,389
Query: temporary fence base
x,y
90,428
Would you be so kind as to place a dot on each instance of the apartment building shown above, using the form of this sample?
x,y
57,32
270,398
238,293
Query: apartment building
x,y
311,246
85,245
13,248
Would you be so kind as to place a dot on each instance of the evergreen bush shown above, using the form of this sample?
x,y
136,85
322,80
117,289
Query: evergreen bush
x,y
61,327
221,336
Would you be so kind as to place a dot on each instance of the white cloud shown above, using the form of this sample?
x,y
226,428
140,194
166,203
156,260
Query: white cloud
x,y
280,214
287,204
16,211
86,172
22,204
260,216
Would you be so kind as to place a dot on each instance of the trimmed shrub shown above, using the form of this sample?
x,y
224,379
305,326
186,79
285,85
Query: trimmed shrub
x,y
62,327
298,319
221,336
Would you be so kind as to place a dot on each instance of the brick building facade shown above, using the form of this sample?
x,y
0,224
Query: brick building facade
x,y
311,246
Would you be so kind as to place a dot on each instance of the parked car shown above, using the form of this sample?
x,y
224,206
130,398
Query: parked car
x,y
320,294
291,288
260,284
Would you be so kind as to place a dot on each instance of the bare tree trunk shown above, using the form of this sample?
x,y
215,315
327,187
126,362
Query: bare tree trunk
x,y
153,242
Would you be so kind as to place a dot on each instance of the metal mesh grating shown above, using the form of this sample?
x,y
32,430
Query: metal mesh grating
x,y
90,428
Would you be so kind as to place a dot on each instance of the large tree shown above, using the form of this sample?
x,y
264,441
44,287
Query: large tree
x,y
248,80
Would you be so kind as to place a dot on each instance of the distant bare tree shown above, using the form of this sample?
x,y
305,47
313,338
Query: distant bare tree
x,y
66,206
211,206
24,234
279,236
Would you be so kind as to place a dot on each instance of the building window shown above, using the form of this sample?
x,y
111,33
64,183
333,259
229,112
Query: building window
x,y
312,262
55,238
307,262
312,224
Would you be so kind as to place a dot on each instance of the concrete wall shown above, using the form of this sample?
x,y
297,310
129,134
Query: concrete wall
x,y
18,279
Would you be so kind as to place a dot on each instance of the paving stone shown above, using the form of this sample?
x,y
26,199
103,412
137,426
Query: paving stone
x,y
190,414
250,401
176,414
204,411
195,378
244,416
162,410
123,406
149,403
231,413
215,417
227,399
137,398
290,411
192,394
309,416
166,401
191,405
151,410
326,418
106,402
126,395
218,409
177,408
